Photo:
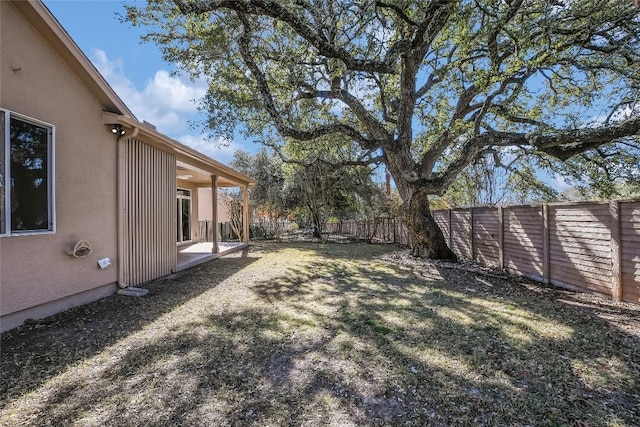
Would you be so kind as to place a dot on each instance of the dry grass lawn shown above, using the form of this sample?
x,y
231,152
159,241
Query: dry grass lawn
x,y
304,334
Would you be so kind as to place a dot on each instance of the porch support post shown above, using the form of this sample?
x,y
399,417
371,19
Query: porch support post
x,y
214,213
245,214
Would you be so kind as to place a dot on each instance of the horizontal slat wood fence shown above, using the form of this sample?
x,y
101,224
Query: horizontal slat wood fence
x,y
591,247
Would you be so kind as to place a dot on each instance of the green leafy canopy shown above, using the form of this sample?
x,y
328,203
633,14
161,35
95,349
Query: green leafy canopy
x,y
427,87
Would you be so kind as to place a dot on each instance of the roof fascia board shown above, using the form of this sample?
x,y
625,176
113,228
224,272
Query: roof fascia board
x,y
52,31
182,152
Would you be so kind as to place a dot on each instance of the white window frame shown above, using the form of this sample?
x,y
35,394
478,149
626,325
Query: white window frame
x,y
51,190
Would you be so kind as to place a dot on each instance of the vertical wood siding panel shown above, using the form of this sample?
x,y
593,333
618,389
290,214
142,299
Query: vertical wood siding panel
x,y
171,226
133,273
155,210
137,208
150,214
160,215
126,255
170,168
142,224
132,212
172,213
163,259
151,223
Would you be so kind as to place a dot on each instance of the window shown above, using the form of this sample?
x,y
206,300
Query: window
x,y
26,175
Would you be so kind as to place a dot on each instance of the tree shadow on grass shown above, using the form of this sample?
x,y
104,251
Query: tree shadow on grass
x,y
348,340
481,349
37,351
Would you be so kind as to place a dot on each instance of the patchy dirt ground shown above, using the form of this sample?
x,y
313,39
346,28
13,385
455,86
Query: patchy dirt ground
x,y
342,334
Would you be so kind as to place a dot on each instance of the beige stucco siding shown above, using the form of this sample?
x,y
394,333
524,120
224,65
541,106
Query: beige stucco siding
x,y
204,207
35,82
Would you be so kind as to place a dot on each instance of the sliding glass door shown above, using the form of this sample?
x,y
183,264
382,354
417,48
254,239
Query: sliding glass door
x,y
183,206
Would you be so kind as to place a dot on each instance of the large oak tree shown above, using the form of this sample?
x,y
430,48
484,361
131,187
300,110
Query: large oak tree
x,y
426,87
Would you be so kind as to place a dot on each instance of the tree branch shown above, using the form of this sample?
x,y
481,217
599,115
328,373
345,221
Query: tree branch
x,y
363,160
398,12
270,106
376,129
274,10
565,144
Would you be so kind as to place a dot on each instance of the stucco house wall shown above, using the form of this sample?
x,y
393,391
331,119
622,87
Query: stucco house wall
x,y
204,206
114,178
35,269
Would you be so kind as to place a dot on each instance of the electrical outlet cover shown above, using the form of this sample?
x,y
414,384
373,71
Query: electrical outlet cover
x,y
104,263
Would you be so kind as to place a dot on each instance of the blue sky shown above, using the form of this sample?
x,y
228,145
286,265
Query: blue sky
x,y
138,74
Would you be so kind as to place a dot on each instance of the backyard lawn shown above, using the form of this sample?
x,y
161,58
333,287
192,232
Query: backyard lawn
x,y
341,334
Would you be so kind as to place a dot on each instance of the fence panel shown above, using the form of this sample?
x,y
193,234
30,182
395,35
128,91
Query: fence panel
x,y
346,227
630,250
204,231
401,235
461,233
225,233
486,229
442,219
523,241
580,247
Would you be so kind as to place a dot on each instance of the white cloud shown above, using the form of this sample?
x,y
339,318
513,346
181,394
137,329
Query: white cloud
x,y
621,114
167,91
627,112
560,183
166,101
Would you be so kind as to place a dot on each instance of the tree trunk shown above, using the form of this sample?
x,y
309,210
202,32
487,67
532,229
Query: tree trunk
x,y
427,240
317,226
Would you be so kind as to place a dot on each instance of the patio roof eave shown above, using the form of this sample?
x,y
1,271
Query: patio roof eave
x,y
187,156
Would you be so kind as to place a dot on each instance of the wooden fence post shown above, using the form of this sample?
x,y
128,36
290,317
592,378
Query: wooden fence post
x,y
394,231
616,270
500,237
449,222
471,237
545,244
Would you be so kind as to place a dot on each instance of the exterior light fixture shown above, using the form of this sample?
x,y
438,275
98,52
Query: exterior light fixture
x,y
118,130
